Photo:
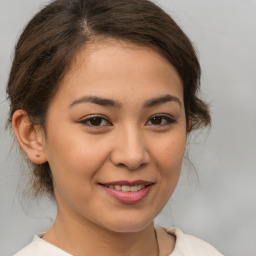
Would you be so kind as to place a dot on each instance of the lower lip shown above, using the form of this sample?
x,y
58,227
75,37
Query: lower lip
x,y
128,197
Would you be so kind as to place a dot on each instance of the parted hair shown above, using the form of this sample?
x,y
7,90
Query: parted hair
x,y
55,35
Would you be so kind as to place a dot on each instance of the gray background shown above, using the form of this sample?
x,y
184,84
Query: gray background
x,y
221,207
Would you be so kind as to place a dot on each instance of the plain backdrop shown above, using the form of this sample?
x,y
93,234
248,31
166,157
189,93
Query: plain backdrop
x,y
219,208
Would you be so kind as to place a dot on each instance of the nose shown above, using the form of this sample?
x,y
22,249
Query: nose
x,y
130,149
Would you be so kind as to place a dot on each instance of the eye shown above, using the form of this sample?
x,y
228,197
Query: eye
x,y
95,121
159,120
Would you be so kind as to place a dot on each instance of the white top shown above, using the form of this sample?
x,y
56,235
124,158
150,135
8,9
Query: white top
x,y
186,245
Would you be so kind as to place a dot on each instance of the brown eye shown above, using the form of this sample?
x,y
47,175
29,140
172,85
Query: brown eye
x,y
160,120
156,120
95,121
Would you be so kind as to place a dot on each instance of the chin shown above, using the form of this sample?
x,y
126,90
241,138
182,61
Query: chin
x,y
129,225
129,228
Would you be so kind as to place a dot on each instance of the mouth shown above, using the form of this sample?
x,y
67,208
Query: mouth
x,y
127,192
126,188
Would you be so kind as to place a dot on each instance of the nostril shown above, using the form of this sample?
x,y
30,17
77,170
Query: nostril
x,y
130,152
130,166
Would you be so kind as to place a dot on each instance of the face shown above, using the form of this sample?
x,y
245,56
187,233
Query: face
x,y
116,135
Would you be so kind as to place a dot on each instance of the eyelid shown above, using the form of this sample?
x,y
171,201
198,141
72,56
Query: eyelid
x,y
86,119
167,117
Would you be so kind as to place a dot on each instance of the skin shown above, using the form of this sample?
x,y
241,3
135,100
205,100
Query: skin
x,y
125,142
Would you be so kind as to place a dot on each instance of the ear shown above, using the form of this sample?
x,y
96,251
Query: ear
x,y
189,124
30,137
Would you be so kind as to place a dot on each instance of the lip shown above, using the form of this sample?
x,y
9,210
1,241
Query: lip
x,y
128,183
128,197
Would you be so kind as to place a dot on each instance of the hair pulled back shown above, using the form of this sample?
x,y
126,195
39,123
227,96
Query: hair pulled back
x,y
53,37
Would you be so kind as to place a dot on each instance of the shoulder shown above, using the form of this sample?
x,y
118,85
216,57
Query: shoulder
x,y
29,250
188,245
39,247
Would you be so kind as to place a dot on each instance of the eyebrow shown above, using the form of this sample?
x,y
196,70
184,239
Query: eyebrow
x,y
159,100
96,100
116,104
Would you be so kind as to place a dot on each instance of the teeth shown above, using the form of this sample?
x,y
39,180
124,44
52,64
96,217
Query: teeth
x,y
140,187
126,188
134,188
118,187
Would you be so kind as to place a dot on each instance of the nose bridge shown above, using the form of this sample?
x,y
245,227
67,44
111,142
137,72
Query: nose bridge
x,y
130,147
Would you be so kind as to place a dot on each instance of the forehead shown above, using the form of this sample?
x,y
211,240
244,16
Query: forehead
x,y
119,69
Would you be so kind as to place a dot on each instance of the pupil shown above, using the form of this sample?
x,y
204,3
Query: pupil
x,y
96,121
156,120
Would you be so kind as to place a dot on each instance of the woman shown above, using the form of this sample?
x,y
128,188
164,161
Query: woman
x,y
103,95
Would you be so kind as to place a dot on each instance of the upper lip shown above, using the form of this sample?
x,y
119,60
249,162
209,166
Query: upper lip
x,y
128,183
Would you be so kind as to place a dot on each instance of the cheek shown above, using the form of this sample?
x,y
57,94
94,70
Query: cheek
x,y
75,161
170,152
72,152
174,153
169,155
73,167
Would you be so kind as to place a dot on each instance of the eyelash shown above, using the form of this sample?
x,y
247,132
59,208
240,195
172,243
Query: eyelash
x,y
96,118
168,119
99,119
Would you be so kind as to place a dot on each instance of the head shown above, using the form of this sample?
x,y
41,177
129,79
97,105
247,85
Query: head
x,y
50,46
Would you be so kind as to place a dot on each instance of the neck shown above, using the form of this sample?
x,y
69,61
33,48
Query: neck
x,y
85,238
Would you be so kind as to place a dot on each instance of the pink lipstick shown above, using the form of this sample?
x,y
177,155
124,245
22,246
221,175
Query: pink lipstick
x,y
128,192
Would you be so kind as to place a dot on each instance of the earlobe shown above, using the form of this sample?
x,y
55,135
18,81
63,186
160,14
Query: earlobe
x,y
29,136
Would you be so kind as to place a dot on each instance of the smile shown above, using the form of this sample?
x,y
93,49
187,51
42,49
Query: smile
x,y
126,188
128,192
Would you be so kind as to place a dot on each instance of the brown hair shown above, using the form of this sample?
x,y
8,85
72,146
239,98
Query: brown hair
x,y
54,36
